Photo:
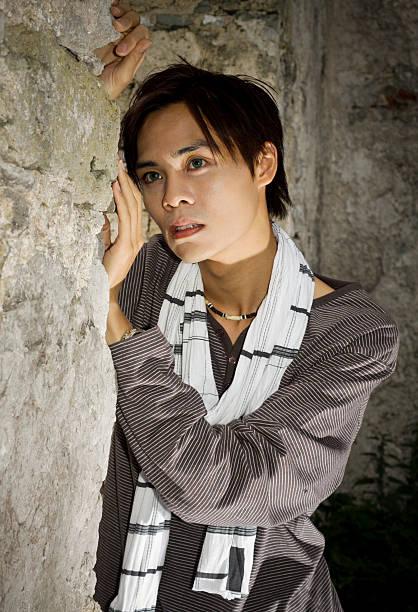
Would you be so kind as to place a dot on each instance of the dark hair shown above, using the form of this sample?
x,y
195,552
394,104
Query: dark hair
x,y
241,111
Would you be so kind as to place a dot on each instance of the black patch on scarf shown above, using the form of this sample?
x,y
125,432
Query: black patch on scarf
x,y
236,569
306,270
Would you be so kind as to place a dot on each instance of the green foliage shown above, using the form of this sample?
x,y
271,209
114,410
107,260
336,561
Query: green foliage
x,y
372,543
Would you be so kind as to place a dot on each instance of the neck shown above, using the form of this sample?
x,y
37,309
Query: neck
x,y
240,287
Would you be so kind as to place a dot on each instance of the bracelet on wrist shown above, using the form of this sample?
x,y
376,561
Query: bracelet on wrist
x,y
129,333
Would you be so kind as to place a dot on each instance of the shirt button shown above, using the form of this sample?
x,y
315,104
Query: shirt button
x,y
232,360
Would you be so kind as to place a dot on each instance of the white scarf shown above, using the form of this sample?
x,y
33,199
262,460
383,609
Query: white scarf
x,y
271,343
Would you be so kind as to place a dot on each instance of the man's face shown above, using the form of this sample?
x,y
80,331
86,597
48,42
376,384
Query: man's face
x,y
195,187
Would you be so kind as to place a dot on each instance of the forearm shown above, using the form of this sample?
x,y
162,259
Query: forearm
x,y
117,323
204,474
275,464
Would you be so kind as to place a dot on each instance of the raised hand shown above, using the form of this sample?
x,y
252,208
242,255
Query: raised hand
x,y
124,56
120,255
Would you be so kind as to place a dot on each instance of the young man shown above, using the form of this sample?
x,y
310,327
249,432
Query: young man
x,y
229,431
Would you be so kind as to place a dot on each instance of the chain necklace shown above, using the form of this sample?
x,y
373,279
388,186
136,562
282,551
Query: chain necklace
x,y
226,316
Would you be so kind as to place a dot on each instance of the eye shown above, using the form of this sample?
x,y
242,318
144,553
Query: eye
x,y
151,180
197,159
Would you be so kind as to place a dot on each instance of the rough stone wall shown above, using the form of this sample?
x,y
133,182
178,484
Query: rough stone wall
x,y
345,76
58,144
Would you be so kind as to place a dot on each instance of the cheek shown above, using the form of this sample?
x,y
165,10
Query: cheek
x,y
218,195
151,208
230,196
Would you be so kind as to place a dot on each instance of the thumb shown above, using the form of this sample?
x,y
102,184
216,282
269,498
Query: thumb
x,y
106,232
106,224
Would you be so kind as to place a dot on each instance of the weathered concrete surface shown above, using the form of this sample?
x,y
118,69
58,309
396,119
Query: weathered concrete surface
x,y
78,25
58,143
49,85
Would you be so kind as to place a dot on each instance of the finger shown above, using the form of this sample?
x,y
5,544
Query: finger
x,y
133,200
135,190
106,53
119,9
106,239
106,221
106,232
129,197
127,21
108,56
141,59
127,68
124,219
138,233
126,45
117,4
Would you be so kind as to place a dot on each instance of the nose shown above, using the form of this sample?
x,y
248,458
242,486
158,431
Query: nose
x,y
176,192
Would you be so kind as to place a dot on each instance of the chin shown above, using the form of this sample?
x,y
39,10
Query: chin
x,y
188,257
189,253
193,259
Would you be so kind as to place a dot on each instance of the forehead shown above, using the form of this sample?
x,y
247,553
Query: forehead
x,y
167,130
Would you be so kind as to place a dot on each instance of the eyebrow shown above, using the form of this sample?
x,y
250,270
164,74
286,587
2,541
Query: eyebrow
x,y
191,147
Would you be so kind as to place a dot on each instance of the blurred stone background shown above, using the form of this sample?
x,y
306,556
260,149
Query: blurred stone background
x,y
346,76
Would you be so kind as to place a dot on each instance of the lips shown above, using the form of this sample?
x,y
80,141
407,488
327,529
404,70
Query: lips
x,y
185,233
182,221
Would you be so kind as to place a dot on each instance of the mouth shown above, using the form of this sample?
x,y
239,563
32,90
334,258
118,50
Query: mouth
x,y
185,230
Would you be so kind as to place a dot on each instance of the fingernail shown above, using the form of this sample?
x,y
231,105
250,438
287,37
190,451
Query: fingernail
x,y
122,48
116,10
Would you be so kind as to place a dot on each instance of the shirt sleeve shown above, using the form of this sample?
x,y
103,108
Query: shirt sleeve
x,y
267,468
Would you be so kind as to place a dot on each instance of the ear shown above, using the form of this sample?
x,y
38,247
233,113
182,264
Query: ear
x,y
266,165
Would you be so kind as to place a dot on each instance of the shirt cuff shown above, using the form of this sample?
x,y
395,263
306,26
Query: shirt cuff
x,y
148,344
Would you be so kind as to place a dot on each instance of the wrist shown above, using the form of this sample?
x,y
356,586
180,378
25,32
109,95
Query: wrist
x,y
117,323
114,294
113,299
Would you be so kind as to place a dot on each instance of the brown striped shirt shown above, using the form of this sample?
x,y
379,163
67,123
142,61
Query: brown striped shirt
x,y
271,469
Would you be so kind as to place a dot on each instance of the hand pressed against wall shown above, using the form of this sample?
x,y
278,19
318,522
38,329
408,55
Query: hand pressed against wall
x,y
120,255
124,56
